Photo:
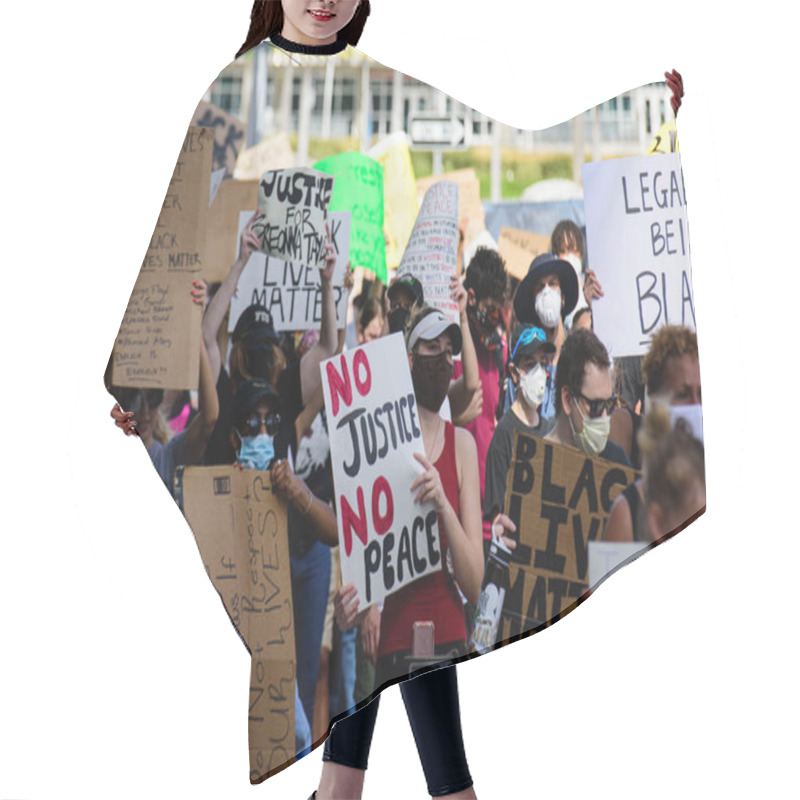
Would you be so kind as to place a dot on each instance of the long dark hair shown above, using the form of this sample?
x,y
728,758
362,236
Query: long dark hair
x,y
266,19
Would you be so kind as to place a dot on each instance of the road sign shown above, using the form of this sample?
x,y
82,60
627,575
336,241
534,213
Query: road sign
x,y
438,133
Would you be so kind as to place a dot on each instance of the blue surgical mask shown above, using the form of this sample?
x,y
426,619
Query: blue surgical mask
x,y
256,452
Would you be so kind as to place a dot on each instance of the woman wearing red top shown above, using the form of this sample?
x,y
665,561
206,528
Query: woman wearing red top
x,y
450,482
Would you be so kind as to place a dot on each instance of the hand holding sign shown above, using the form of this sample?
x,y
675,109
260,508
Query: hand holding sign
x,y
430,485
249,242
591,287
345,607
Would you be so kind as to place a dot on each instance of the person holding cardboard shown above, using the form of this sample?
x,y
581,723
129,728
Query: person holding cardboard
x,y
530,357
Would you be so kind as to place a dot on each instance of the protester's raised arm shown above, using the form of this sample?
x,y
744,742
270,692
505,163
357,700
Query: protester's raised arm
x,y
462,389
328,334
217,308
201,427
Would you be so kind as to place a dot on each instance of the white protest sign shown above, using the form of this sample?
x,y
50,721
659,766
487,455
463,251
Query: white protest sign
x,y
294,209
638,239
432,251
217,177
386,540
292,292
606,557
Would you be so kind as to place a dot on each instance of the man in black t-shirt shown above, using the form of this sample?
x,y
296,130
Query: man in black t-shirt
x,y
585,398
531,354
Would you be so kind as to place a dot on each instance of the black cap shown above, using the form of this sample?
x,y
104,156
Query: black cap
x,y
248,395
410,283
255,319
543,264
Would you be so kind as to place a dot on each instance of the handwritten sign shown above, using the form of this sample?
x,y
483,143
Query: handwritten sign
x,y
399,194
359,190
240,526
559,499
432,250
519,248
228,134
158,344
291,292
469,191
222,232
386,540
274,152
293,204
639,203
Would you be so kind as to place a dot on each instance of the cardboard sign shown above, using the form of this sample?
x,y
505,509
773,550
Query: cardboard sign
x,y
386,540
293,204
228,134
222,233
559,499
359,190
432,252
638,238
158,344
241,530
519,248
399,194
292,292
469,191
273,153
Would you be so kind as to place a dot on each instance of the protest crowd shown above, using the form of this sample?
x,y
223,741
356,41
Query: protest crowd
x,y
504,366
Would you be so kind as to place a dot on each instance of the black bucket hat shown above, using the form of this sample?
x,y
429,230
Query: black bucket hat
x,y
544,264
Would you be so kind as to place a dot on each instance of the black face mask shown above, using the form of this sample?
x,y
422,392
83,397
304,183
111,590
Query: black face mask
x,y
484,327
431,377
398,319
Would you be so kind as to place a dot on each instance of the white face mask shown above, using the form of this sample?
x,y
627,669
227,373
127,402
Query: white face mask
x,y
693,416
533,384
548,306
593,438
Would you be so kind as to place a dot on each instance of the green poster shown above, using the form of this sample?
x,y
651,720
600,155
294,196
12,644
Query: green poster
x,y
358,188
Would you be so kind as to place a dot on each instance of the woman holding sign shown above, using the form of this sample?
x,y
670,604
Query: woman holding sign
x,y
450,482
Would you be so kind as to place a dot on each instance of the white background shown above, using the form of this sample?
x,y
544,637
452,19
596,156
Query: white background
x,y
120,675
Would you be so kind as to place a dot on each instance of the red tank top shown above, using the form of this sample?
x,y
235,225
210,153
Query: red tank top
x,y
435,596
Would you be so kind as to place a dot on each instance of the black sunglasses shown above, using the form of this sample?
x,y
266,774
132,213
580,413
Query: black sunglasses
x,y
597,407
153,398
252,425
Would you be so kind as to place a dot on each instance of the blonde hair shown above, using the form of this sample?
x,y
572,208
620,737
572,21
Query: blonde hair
x,y
674,460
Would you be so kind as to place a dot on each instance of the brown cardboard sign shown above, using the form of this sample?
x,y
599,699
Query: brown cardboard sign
x,y
559,499
158,344
274,152
469,191
240,525
518,249
228,134
222,239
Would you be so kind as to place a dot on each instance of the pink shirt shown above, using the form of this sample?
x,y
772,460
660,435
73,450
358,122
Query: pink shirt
x,y
482,428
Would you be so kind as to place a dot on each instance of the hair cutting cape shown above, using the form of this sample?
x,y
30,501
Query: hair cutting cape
x,y
339,142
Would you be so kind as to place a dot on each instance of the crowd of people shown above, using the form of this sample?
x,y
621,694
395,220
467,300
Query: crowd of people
x,y
528,361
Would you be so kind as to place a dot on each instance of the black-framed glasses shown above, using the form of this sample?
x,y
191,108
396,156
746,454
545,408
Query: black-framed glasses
x,y
153,398
597,407
252,425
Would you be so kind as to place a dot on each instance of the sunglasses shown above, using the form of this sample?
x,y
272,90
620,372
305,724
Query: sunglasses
x,y
252,425
153,398
597,407
487,319
526,337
